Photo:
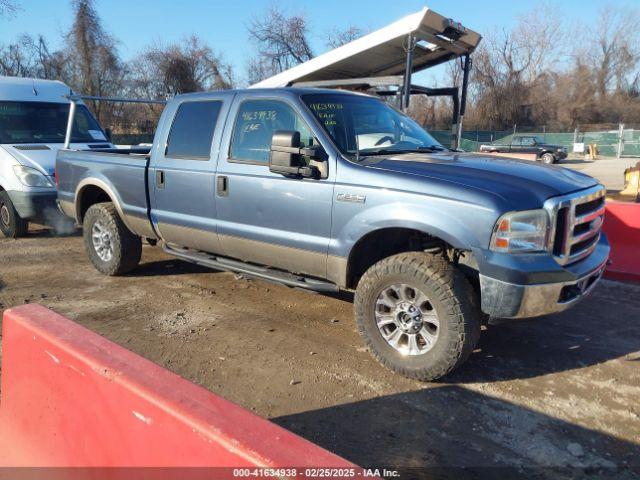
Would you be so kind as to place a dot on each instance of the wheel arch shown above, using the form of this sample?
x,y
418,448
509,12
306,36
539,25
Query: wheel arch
x,y
92,191
384,242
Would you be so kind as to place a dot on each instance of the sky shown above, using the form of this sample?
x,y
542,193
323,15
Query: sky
x,y
223,24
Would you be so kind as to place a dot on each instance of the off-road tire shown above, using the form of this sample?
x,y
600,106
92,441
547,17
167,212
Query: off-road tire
x,y
548,158
127,247
452,297
16,226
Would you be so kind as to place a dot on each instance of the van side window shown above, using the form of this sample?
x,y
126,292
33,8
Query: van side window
x,y
192,130
255,124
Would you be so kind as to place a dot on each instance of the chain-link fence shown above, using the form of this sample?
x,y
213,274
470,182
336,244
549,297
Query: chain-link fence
x,y
612,140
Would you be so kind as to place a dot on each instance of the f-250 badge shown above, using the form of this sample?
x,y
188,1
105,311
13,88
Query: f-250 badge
x,y
349,197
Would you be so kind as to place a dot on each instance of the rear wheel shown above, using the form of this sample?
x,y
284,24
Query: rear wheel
x,y
418,315
548,158
11,224
110,245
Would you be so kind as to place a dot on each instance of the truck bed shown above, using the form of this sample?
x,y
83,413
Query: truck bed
x,y
122,173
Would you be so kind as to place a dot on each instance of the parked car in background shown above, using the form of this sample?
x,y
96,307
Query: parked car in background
x,y
529,144
330,190
33,121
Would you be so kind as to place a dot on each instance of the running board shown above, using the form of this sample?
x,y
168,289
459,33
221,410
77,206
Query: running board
x,y
264,273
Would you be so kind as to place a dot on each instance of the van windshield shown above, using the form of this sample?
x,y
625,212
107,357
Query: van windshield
x,y
40,122
362,125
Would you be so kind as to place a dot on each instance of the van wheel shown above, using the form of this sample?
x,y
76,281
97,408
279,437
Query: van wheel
x,y
110,245
548,158
417,314
11,224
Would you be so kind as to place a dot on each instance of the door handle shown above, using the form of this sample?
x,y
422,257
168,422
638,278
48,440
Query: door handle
x,y
160,178
222,186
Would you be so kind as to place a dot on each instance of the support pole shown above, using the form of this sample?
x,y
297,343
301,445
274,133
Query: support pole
x,y
463,99
72,114
406,88
620,140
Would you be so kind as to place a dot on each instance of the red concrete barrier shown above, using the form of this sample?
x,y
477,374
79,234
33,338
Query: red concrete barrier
x,y
72,398
622,226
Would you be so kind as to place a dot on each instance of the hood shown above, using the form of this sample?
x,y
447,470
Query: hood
x,y
515,181
40,156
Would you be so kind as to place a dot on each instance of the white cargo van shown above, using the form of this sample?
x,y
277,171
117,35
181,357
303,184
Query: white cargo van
x,y
33,122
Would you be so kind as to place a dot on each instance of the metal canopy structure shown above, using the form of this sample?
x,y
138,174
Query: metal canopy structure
x,y
387,58
383,53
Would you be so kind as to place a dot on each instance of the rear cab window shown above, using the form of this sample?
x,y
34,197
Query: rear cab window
x,y
255,124
192,130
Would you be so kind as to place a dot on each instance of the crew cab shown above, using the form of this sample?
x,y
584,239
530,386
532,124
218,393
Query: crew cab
x,y
33,120
331,190
544,152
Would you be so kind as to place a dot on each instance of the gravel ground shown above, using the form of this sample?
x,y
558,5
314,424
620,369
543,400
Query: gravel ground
x,y
554,397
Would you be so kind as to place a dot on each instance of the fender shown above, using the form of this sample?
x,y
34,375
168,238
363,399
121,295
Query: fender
x,y
466,231
433,221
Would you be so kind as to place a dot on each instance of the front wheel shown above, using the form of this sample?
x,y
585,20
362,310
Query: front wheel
x,y
548,158
11,224
418,315
110,245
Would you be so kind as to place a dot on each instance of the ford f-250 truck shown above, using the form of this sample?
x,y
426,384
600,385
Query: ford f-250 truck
x,y
330,190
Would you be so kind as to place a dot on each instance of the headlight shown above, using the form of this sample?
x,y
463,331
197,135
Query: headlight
x,y
30,177
519,232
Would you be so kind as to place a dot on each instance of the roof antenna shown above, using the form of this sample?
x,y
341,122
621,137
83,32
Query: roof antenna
x,y
33,87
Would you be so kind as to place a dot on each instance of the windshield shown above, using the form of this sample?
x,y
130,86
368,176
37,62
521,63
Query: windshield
x,y
39,122
362,125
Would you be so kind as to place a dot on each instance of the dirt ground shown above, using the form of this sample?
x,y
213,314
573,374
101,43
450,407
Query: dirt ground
x,y
552,397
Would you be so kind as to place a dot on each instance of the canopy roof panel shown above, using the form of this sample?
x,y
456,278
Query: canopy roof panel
x,y
383,52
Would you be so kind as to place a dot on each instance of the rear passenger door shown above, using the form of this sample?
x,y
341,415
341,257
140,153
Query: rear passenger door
x,y
183,174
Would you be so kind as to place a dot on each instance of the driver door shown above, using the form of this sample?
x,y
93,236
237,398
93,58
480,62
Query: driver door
x,y
264,217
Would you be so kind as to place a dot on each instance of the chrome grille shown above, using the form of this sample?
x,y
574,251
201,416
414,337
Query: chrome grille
x,y
576,223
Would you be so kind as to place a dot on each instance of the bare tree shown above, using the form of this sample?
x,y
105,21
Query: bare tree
x,y
95,67
614,50
191,66
336,37
30,57
512,70
281,41
258,68
8,8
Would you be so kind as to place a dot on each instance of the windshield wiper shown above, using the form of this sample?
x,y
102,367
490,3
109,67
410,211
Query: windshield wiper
x,y
430,148
380,151
388,151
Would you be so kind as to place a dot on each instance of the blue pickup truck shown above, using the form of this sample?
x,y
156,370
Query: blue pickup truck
x,y
331,190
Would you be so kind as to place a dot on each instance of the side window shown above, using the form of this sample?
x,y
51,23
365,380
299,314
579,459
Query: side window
x,y
192,130
255,124
516,141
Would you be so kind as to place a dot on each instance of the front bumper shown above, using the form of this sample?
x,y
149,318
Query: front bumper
x,y
32,205
503,299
